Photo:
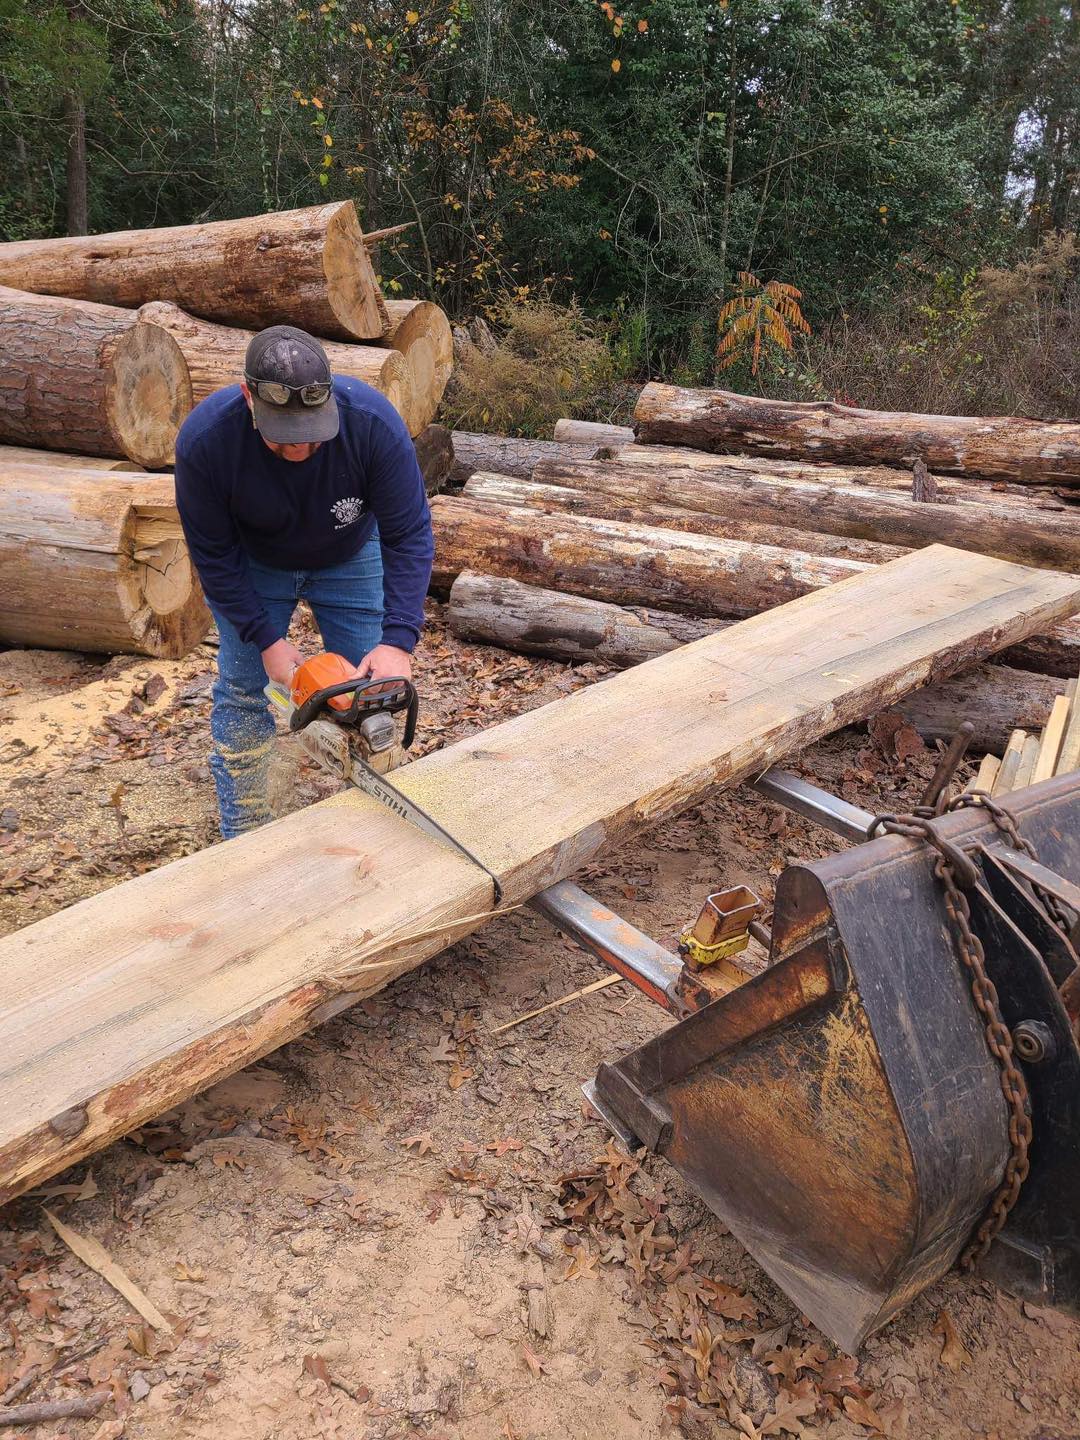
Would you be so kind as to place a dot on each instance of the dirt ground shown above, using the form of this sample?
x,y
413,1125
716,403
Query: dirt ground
x,y
405,1224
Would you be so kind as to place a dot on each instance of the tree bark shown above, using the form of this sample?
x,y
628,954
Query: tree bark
x,y
89,378
626,564
95,561
589,432
503,455
530,621
996,448
75,176
644,565
420,332
299,267
215,356
608,505
435,456
859,512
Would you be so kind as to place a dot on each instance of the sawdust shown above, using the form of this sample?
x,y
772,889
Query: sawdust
x,y
326,1279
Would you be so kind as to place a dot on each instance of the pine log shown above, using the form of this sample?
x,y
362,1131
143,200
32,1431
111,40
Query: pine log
x,y
648,565
420,332
123,1005
1022,498
22,455
590,432
495,611
76,376
859,512
987,448
298,267
215,356
95,561
606,505
435,456
503,455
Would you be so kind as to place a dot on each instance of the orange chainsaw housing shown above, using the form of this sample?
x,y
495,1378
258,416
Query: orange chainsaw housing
x,y
318,673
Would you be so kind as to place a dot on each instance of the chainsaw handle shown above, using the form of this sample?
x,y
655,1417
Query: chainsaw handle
x,y
404,697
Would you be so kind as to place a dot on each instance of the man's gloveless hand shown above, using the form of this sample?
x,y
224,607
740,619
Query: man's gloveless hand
x,y
384,662
280,660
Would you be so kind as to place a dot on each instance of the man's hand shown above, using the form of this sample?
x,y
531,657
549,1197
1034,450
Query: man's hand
x,y
280,660
385,661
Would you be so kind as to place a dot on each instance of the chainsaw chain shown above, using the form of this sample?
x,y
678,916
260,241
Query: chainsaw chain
x,y
957,871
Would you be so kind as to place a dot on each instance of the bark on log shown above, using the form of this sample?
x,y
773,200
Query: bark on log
x,y
645,565
435,456
298,267
530,621
22,455
989,448
590,432
605,505
1023,498
626,564
504,455
420,332
859,512
95,561
89,378
215,356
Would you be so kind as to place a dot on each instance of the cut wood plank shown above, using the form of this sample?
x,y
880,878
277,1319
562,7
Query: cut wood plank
x,y
859,512
1010,763
1050,741
297,267
124,1004
1069,758
532,621
986,775
1006,447
1026,767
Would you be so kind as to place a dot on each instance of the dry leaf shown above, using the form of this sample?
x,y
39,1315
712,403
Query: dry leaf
x,y
458,1075
532,1360
190,1273
94,1254
500,1147
839,1375
863,1413
86,1191
316,1365
423,1143
954,1353
788,1413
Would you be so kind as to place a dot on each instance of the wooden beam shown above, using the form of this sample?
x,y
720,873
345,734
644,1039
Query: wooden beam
x,y
124,1004
1069,758
1010,763
1050,740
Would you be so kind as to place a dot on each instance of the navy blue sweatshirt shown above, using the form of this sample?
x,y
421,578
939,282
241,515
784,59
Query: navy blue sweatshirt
x,y
238,499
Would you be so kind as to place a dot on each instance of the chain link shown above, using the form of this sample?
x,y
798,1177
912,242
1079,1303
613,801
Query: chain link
x,y
956,872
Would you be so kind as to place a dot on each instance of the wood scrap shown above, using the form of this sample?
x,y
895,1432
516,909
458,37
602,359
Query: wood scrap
x,y
1069,756
601,984
1050,740
986,775
1010,763
41,1412
154,989
1026,768
91,1252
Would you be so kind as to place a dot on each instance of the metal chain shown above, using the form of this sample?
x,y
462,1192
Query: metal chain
x,y
957,871
980,800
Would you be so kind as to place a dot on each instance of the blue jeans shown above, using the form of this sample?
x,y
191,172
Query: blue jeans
x,y
347,601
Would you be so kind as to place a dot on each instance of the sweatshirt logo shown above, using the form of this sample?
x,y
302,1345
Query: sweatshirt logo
x,y
346,512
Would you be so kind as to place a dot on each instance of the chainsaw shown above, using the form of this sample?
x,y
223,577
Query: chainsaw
x,y
346,723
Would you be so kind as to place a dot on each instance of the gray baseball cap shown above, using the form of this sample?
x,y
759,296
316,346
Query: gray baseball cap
x,y
286,356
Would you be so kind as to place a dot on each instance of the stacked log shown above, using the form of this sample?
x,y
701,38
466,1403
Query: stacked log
x,y
23,455
95,561
305,267
420,332
986,448
508,455
215,356
78,376
591,432
493,610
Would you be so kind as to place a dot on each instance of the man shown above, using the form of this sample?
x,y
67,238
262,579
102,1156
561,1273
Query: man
x,y
297,485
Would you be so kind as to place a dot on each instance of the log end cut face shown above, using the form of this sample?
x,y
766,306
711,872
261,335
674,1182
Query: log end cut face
x,y
352,291
149,394
159,590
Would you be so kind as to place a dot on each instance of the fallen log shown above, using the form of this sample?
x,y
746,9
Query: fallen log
x,y
986,448
492,610
89,378
858,512
505,455
420,332
604,505
590,432
95,561
305,267
215,356
435,456
23,455
626,564
668,570
124,1004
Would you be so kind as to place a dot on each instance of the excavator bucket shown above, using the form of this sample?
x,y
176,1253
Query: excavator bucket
x,y
842,1112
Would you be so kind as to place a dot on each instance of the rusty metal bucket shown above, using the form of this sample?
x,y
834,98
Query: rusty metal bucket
x,y
841,1112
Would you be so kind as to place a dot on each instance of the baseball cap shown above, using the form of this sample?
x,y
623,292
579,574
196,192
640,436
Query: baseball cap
x,y
288,356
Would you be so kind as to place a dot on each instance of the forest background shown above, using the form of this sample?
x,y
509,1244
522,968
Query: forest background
x,y
876,203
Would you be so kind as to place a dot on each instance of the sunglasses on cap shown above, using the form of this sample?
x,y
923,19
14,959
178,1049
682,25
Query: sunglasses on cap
x,y
276,392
